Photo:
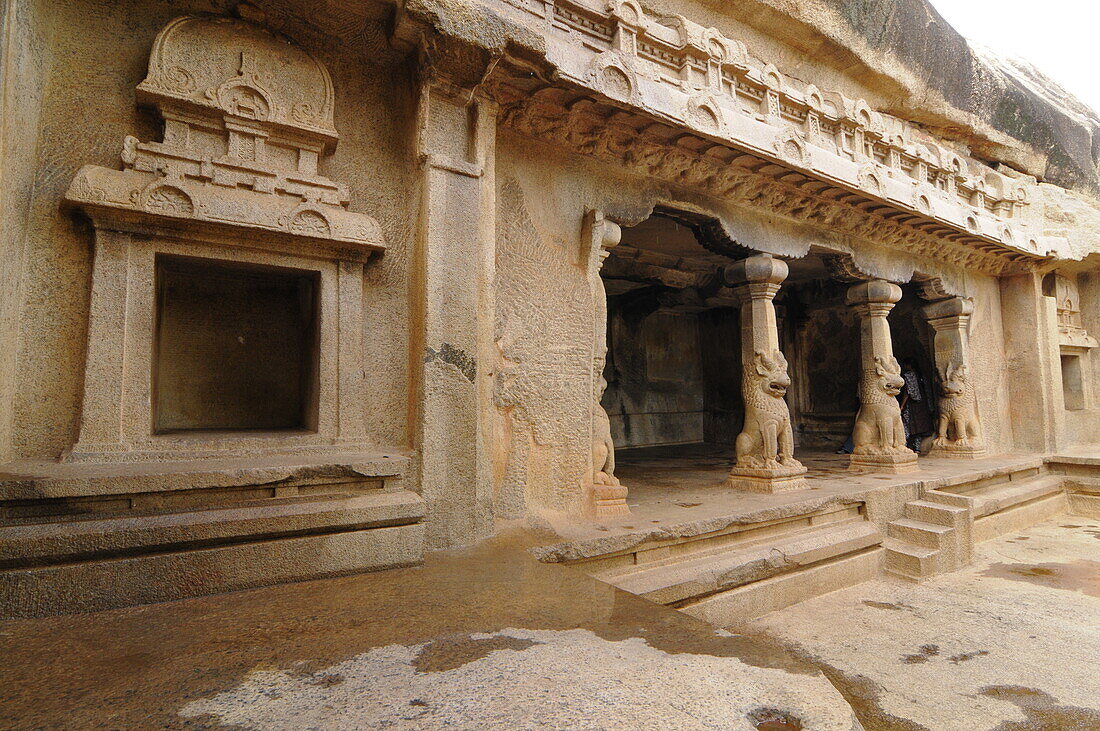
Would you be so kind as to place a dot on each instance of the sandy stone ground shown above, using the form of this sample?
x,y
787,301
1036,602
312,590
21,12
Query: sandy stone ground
x,y
1010,643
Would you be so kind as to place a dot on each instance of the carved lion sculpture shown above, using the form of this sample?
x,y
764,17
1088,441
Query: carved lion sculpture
x,y
958,422
766,441
603,449
878,428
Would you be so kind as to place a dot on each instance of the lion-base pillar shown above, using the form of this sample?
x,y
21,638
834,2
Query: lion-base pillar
x,y
605,497
765,447
878,435
958,429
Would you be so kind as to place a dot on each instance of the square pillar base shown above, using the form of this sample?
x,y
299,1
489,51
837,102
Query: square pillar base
x,y
783,479
958,451
607,501
895,464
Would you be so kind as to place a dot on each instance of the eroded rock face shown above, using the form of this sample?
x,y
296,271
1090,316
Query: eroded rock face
x,y
917,56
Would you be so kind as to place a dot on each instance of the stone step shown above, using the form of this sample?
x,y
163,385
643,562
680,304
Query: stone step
x,y
1019,516
937,513
104,563
1001,497
675,581
53,542
1084,504
910,561
733,608
920,533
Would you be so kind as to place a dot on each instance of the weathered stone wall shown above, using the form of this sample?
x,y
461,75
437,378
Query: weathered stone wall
x,y
76,105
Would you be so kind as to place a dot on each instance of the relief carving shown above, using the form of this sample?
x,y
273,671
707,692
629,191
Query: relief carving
x,y
879,429
214,77
958,427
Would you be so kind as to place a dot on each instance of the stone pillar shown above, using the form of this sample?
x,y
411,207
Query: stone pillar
x,y
878,436
606,496
958,430
765,447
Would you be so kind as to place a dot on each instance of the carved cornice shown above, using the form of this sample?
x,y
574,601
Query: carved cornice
x,y
575,119
696,80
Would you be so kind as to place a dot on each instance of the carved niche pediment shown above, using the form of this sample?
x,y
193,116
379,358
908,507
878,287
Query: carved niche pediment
x,y
247,118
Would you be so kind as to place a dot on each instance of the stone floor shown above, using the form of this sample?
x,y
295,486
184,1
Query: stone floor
x,y
1010,643
484,638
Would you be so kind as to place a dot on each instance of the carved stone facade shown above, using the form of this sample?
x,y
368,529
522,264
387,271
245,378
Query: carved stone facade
x,y
247,118
366,279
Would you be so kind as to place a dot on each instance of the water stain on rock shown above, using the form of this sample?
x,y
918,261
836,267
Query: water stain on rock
x,y
864,696
448,653
1042,710
891,606
964,656
1080,575
924,652
774,719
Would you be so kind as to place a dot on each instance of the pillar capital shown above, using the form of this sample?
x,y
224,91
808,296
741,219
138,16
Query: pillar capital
x,y
874,292
756,269
949,314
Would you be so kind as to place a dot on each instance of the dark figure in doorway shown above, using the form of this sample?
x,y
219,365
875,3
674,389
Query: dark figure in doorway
x,y
916,405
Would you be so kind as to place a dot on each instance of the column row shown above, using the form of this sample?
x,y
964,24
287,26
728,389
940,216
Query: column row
x,y
765,446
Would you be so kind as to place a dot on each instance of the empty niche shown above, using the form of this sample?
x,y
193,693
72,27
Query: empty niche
x,y
236,346
1073,390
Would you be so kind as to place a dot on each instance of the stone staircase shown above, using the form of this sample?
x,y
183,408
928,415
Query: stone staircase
x,y
932,538
938,531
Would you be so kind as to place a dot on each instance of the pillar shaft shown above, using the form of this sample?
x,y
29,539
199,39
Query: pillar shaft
x,y
765,446
879,435
958,429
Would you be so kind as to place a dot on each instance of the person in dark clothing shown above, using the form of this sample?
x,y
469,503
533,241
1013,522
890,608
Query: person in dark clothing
x,y
916,405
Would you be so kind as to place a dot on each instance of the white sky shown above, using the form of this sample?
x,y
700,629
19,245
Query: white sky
x,y
1060,37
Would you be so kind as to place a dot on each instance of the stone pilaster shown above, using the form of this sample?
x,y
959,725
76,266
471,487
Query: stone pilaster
x,y
453,311
958,430
765,447
878,436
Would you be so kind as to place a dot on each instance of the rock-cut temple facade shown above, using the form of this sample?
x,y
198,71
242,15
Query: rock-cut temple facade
x,y
298,289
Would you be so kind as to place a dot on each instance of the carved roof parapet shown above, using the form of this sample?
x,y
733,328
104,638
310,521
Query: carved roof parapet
x,y
652,147
247,119
698,79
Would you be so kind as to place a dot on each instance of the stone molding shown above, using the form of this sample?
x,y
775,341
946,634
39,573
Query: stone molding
x,y
1072,336
247,118
593,128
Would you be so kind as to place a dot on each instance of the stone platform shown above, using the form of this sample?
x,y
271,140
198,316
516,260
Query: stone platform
x,y
78,537
727,556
